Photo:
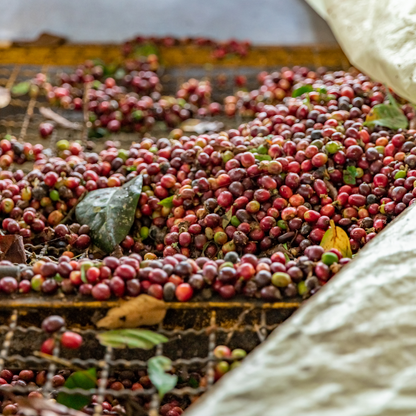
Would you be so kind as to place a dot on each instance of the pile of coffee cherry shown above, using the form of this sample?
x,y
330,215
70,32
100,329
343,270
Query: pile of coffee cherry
x,y
130,100
275,182
129,97
178,278
240,213
220,49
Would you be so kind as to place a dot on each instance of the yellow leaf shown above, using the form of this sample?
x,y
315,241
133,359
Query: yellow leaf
x,y
143,310
336,237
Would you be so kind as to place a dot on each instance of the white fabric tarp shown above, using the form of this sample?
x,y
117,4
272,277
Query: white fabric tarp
x,y
378,37
348,351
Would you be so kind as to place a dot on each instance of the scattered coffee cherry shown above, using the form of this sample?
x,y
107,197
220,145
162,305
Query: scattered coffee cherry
x,y
178,278
71,340
48,346
53,324
45,130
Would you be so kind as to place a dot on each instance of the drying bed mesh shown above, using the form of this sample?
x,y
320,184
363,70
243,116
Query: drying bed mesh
x,y
193,334
193,330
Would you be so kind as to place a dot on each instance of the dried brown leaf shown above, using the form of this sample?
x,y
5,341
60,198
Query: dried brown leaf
x,y
62,121
200,127
140,311
12,249
336,237
4,97
332,191
31,407
44,39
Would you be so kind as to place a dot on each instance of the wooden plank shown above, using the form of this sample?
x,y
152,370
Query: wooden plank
x,y
182,55
39,302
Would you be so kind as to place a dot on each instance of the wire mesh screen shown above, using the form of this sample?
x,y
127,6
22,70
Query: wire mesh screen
x,y
193,329
193,334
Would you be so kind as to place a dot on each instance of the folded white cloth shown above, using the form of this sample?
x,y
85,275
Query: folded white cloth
x,y
378,37
349,351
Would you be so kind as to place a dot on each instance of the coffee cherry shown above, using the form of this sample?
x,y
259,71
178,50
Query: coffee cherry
x,y
8,285
101,292
45,129
71,340
48,346
53,323
184,292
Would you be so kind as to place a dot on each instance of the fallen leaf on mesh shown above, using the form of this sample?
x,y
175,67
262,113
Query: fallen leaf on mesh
x,y
109,212
131,338
58,119
83,379
44,39
140,311
332,191
32,407
387,115
4,97
12,249
336,237
200,127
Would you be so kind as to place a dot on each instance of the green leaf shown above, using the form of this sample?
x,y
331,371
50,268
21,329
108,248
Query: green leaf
x,y
387,115
109,212
262,150
83,273
97,133
193,382
307,102
58,277
167,202
227,217
286,256
145,50
109,70
205,247
131,168
350,174
302,90
22,88
262,157
157,367
131,338
87,380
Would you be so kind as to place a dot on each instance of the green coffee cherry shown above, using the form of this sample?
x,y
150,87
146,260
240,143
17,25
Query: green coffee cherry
x,y
302,289
328,258
281,279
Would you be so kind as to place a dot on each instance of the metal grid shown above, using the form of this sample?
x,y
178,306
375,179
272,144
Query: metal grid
x,y
192,339
21,118
193,329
